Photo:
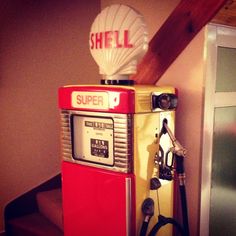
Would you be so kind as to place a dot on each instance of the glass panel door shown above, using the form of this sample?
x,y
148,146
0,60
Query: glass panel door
x,y
218,190
223,184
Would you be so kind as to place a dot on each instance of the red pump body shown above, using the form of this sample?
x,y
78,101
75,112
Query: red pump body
x,y
109,140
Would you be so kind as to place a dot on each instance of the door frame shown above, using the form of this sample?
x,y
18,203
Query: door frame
x,y
216,36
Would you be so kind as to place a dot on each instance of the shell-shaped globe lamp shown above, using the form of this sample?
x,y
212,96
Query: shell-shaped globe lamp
x,y
118,40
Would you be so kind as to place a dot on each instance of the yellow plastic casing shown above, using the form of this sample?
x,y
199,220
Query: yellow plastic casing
x,y
147,126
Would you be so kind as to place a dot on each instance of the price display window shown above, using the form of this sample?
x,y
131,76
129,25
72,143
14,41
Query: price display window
x,y
92,139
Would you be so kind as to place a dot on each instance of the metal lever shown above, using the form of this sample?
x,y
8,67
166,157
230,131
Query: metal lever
x,y
177,148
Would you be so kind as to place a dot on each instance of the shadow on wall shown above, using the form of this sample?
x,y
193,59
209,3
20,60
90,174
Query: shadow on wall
x,y
44,45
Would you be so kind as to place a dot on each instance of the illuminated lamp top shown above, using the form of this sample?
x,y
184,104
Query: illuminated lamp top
x,y
118,40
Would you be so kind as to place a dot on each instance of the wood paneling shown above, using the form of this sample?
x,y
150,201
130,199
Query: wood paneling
x,y
179,29
227,14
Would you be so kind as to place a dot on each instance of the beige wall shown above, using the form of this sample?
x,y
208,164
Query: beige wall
x,y
44,45
186,74
155,12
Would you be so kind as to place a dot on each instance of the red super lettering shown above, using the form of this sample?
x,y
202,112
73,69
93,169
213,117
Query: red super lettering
x,y
89,100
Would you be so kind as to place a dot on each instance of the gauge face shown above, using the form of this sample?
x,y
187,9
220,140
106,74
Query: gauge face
x,y
99,148
92,139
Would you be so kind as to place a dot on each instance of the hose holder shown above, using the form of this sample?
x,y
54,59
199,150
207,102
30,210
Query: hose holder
x,y
164,101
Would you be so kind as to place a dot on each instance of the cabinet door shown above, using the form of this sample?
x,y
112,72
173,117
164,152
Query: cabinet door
x,y
218,191
97,201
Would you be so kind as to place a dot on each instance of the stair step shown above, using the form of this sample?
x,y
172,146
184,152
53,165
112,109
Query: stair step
x,y
50,205
33,225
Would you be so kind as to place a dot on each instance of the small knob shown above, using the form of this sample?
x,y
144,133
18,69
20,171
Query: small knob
x,y
164,101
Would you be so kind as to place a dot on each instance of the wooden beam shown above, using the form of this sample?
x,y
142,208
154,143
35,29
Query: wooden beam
x,y
179,29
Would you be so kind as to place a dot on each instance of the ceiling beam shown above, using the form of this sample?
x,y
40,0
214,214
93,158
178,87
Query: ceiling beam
x,y
175,34
227,14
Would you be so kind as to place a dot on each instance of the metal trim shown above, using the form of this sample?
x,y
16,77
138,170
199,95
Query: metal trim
x,y
128,199
210,53
123,136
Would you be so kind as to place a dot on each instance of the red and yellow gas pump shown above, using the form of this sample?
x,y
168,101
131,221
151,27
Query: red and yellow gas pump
x,y
111,136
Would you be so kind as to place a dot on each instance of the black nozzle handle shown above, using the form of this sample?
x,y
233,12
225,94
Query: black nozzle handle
x,y
179,160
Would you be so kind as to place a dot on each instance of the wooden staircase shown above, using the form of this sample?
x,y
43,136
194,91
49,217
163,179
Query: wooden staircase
x,y
36,213
50,206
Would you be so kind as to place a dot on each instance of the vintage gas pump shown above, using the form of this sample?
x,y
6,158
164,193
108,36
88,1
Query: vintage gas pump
x,y
110,135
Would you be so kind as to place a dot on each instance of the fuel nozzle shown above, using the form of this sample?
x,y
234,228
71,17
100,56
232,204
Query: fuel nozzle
x,y
177,148
178,151
179,154
175,153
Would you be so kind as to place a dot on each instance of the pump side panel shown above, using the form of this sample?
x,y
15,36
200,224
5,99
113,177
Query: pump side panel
x,y
146,143
96,201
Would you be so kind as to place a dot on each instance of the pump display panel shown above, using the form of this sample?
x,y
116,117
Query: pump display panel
x,y
92,139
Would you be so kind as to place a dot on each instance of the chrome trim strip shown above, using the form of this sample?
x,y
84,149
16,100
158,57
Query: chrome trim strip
x,y
128,199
